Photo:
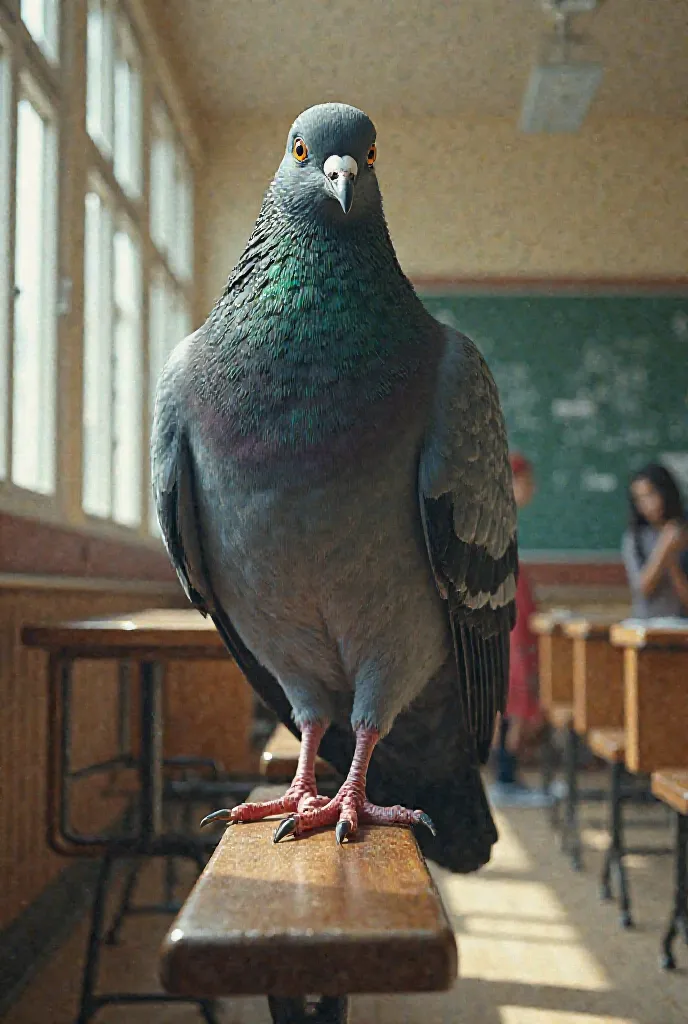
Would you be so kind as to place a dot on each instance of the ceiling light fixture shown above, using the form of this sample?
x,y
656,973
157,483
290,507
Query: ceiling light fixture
x,y
567,74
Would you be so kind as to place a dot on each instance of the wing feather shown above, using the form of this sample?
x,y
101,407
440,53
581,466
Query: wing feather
x,y
469,519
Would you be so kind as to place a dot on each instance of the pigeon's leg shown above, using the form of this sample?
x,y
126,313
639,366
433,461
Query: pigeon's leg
x,y
302,794
350,806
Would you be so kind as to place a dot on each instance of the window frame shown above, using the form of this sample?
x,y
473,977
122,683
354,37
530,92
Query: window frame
x,y
80,162
29,90
8,119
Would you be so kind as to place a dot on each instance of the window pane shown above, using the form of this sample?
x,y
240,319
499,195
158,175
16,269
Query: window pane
x,y
162,184
99,74
183,235
128,382
97,403
4,254
127,113
41,19
33,426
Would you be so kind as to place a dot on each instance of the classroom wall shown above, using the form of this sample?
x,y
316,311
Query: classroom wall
x,y
467,199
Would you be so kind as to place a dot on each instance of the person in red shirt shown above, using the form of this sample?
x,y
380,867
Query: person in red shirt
x,y
523,714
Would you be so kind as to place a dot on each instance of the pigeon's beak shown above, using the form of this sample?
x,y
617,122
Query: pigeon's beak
x,y
341,172
343,188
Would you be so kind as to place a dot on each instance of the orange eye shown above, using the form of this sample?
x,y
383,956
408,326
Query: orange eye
x,y
372,155
299,150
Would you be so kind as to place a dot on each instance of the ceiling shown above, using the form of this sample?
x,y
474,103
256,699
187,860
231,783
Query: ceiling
x,y
468,58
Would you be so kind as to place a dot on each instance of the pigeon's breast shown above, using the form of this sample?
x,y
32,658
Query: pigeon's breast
x,y
320,577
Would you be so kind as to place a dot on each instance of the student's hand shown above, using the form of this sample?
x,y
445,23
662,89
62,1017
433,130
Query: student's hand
x,y
674,538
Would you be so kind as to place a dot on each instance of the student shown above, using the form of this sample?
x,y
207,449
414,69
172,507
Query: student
x,y
655,545
523,712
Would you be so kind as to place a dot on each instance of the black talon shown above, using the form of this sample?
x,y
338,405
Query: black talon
x,y
285,828
426,820
342,831
223,815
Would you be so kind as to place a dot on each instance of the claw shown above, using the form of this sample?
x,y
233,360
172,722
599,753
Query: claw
x,y
342,831
426,820
285,828
223,815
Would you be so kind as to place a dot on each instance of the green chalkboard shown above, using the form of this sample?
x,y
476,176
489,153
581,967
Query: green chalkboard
x,y
592,387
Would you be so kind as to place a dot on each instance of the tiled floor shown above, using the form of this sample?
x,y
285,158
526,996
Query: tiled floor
x,y
535,947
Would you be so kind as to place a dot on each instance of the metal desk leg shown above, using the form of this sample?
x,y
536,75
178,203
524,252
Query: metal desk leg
x,y
571,842
679,915
614,857
89,1003
150,758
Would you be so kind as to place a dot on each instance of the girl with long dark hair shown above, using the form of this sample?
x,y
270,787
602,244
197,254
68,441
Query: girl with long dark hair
x,y
655,545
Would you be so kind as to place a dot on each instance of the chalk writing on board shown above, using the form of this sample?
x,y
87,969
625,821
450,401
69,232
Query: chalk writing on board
x,y
591,480
569,408
679,325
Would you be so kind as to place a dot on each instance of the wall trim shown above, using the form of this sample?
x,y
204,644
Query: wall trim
x,y
43,549
489,284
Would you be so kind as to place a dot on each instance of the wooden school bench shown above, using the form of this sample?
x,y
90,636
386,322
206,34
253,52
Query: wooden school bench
x,y
597,678
655,732
143,644
309,916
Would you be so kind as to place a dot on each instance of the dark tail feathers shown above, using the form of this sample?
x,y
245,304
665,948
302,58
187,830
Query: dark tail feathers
x,y
466,831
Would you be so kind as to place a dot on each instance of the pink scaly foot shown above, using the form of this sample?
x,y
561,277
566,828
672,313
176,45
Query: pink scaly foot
x,y
350,806
302,795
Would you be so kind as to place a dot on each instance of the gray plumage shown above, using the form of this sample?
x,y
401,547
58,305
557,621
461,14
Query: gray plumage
x,y
332,483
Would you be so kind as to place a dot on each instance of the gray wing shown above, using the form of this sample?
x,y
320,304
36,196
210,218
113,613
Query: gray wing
x,y
469,518
173,484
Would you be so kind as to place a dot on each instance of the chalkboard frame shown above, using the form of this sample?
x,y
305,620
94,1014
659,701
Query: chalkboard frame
x,y
668,286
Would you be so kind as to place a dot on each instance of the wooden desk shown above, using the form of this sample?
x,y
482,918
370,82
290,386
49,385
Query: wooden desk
x,y
554,657
656,694
308,916
152,639
598,686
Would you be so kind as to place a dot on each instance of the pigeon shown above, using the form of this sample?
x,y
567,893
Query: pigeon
x,y
331,477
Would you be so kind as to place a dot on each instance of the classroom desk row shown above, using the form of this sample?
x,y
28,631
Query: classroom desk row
x,y
620,688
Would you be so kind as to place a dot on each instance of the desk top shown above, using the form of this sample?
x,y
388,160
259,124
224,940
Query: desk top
x,y
560,620
592,627
640,633
546,623
309,916
161,632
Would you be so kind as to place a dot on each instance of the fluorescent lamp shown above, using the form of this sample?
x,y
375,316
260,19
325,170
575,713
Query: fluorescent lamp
x,y
558,96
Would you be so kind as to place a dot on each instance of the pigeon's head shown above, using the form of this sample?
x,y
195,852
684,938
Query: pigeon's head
x,y
328,169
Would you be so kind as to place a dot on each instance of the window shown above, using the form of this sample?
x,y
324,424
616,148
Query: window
x,y
113,358
128,390
113,93
171,196
127,93
97,396
41,19
137,292
100,57
5,113
35,257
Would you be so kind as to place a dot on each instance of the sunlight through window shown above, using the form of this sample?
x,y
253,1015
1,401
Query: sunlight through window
x,y
34,369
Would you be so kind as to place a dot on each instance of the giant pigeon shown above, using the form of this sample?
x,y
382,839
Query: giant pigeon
x,y
332,484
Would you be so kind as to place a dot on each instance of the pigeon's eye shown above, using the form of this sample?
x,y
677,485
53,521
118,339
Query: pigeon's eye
x,y
300,150
372,155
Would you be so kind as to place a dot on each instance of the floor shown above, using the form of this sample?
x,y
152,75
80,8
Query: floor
x,y
535,947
